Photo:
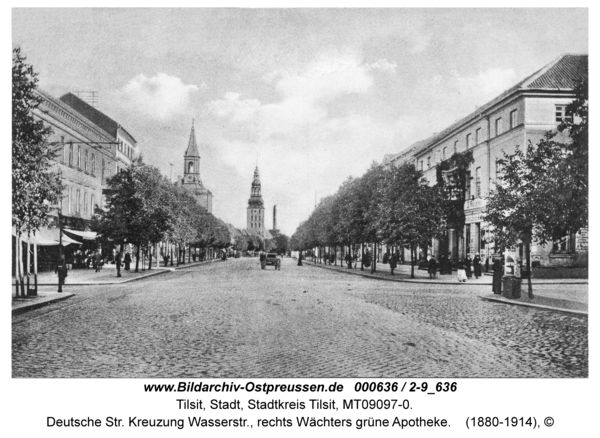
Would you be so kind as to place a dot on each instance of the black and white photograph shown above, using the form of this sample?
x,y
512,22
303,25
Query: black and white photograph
x,y
317,194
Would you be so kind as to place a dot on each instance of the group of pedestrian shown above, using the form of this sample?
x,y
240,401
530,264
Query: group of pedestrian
x,y
468,268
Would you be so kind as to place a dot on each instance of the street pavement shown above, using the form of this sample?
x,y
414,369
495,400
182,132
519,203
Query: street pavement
x,y
233,319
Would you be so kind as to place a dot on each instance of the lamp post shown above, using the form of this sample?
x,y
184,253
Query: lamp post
x,y
62,267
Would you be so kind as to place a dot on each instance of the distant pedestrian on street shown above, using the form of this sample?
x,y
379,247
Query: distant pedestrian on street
x,y
98,261
61,270
497,281
468,263
118,263
127,261
393,263
477,266
300,258
461,272
433,265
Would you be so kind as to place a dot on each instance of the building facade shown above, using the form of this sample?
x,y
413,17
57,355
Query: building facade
x,y
521,115
191,174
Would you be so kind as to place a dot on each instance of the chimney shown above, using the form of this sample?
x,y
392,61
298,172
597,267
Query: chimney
x,y
274,217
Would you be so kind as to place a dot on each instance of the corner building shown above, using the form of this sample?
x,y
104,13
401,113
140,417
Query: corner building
x,y
518,116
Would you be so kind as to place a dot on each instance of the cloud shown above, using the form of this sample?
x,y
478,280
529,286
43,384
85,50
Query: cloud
x,y
160,97
485,85
384,66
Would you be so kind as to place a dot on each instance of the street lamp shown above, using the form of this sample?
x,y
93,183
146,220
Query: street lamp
x,y
62,267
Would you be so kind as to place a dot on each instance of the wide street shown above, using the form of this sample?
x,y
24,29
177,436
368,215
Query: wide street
x,y
232,319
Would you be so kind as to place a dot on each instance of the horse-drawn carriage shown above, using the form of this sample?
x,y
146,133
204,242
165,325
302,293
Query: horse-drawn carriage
x,y
270,259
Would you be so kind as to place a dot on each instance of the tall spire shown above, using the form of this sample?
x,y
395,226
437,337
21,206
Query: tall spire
x,y
192,149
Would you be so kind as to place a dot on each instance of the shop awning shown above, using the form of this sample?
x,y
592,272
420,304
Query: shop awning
x,y
85,235
48,237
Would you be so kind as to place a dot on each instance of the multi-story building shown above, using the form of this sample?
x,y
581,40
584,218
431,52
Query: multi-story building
x,y
518,116
90,148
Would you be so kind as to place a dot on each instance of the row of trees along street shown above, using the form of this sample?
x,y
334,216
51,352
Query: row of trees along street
x,y
540,195
144,208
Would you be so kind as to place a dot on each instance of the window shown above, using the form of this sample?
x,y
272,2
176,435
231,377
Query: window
x,y
513,119
429,161
498,126
477,135
468,186
70,154
444,152
93,164
78,202
468,141
456,146
103,169
498,168
92,204
85,204
421,165
85,162
564,245
478,182
79,157
561,114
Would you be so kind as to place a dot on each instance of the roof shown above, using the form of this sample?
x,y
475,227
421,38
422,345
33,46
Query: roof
x,y
562,74
92,114
192,149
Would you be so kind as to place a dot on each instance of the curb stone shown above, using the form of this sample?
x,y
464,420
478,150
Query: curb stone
x,y
26,308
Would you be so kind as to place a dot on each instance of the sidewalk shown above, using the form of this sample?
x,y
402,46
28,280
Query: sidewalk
x,y
48,283
551,296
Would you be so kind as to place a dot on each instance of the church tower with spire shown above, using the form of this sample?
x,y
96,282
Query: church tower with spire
x,y
191,174
256,206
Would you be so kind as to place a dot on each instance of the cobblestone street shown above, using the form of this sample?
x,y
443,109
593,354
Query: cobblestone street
x,y
233,319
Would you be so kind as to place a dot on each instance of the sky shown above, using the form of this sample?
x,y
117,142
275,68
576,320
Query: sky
x,y
313,96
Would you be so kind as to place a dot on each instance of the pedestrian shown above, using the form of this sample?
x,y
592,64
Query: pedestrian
x,y
386,257
393,263
98,261
443,264
468,263
61,270
127,261
433,265
477,266
487,264
497,279
118,263
461,272
300,258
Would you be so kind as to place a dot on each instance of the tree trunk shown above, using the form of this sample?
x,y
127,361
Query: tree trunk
x,y
149,256
412,261
137,258
362,256
528,267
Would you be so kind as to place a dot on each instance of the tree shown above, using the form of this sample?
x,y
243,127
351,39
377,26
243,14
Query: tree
x,y
411,210
36,190
137,208
542,193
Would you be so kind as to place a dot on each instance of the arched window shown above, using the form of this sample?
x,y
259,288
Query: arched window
x,y
190,167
